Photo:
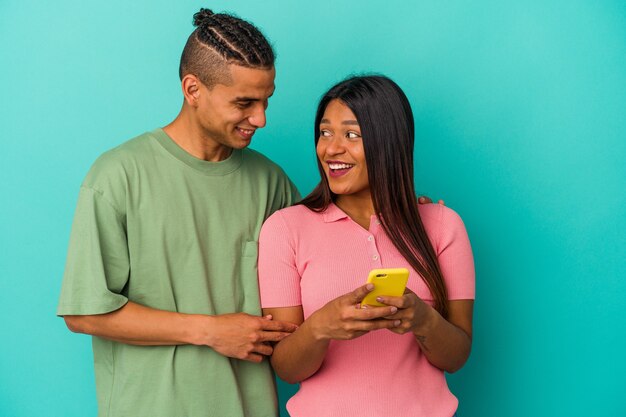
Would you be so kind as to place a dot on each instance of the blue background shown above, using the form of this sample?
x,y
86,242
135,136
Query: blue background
x,y
521,128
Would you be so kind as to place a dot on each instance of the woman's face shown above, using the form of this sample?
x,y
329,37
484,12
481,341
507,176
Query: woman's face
x,y
340,151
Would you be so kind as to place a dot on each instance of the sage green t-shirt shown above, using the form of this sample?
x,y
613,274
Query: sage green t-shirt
x,y
166,230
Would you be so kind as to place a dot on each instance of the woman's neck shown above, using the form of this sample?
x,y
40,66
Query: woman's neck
x,y
358,207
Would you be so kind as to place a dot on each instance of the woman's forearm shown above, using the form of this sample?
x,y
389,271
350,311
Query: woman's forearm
x,y
299,355
444,344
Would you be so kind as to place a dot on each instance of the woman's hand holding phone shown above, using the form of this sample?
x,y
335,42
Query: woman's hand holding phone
x,y
344,319
414,314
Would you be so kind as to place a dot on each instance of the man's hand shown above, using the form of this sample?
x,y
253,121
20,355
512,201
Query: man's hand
x,y
243,336
426,200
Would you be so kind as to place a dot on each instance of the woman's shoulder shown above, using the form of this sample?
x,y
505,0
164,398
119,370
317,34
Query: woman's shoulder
x,y
437,212
440,220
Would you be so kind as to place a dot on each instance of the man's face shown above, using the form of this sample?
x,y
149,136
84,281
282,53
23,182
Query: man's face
x,y
230,114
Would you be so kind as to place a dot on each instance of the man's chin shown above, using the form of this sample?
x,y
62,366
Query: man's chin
x,y
241,143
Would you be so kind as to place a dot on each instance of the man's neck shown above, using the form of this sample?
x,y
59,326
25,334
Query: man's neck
x,y
189,136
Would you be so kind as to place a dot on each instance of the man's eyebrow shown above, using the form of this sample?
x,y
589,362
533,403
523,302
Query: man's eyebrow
x,y
246,99
345,122
249,98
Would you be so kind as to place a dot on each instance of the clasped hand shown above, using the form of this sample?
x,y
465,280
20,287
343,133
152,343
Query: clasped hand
x,y
413,313
247,337
343,318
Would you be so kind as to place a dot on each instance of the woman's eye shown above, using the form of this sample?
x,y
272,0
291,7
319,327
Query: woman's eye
x,y
325,133
352,135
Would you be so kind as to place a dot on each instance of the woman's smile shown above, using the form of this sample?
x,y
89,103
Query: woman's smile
x,y
338,168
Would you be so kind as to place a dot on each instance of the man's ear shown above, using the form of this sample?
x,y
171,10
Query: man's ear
x,y
191,89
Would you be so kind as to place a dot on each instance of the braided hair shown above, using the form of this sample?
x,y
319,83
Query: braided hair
x,y
221,39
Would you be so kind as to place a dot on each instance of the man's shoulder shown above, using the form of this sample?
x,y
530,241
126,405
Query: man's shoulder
x,y
118,161
134,148
257,161
264,169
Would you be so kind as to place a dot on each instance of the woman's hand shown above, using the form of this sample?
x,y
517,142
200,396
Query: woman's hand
x,y
414,314
343,319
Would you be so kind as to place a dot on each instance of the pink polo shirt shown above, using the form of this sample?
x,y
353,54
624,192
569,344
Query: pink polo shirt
x,y
308,259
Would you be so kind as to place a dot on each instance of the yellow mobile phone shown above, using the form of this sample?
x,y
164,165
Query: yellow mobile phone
x,y
387,281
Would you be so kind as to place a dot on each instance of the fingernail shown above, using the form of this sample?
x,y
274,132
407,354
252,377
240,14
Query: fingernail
x,y
379,299
369,287
397,323
393,309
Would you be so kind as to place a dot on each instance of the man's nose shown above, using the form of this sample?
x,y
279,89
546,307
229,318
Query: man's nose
x,y
257,119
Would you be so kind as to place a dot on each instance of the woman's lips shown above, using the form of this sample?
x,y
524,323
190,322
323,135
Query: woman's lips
x,y
337,169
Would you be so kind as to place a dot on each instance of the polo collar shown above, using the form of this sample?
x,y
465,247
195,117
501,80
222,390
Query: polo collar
x,y
333,214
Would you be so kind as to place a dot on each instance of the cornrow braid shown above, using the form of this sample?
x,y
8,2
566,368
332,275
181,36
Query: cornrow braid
x,y
210,36
232,41
244,42
253,44
220,39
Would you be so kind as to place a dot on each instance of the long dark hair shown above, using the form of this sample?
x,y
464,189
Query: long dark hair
x,y
386,121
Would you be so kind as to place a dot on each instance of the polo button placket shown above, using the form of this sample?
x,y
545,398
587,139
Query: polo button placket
x,y
374,253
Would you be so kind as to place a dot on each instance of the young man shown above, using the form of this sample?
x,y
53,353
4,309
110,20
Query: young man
x,y
161,268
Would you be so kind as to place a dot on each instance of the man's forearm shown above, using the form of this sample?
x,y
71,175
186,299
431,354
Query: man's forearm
x,y
139,325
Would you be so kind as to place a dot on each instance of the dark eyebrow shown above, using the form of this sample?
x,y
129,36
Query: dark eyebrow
x,y
345,122
245,99
237,99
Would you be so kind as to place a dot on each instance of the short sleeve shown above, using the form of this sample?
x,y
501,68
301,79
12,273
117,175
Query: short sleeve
x,y
454,254
279,280
97,267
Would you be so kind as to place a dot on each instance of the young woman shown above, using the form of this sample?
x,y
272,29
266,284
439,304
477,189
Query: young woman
x,y
315,257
